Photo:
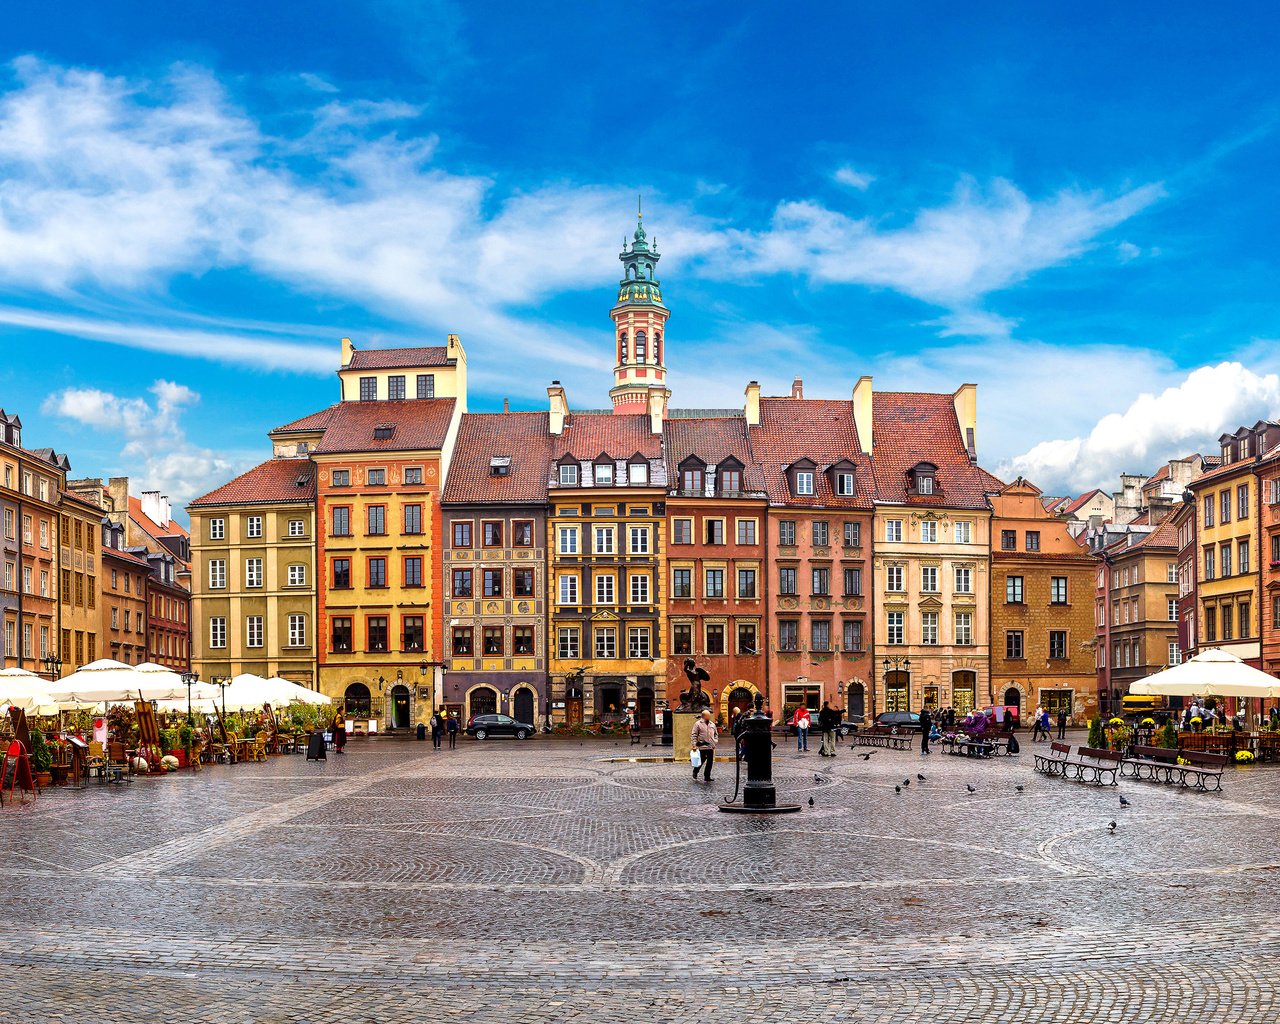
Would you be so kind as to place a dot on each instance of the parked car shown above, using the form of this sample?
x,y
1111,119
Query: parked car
x,y
904,721
484,726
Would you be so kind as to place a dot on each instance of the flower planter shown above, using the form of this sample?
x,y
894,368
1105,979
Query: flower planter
x,y
43,779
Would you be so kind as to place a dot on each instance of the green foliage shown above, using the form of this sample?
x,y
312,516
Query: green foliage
x,y
41,755
169,740
1167,737
122,724
186,735
1097,734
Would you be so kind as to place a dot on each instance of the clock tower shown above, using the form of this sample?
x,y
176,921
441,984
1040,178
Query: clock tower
x,y
640,322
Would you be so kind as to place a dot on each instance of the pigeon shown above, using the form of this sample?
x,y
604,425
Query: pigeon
x,y
897,789
810,801
1019,788
1113,828
906,782
818,779
971,787
919,776
1123,801
867,755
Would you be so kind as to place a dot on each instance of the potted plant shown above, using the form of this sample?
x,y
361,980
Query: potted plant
x,y
186,737
41,759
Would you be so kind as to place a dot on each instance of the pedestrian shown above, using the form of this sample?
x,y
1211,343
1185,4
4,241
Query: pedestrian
x,y
1062,721
951,719
828,719
1035,724
1010,724
801,722
339,730
926,727
1044,723
633,726
451,726
702,741
437,730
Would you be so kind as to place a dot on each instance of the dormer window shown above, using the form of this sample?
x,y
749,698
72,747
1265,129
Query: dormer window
x,y
383,432
804,481
1244,447
569,475
604,474
922,478
731,481
924,485
691,480
844,484
638,470
801,476
499,465
1226,454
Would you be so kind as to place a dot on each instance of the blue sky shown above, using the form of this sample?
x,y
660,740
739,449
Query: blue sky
x,y
1074,208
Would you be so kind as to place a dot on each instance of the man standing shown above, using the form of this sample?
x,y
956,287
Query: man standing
x,y
827,721
801,722
1062,721
703,739
926,726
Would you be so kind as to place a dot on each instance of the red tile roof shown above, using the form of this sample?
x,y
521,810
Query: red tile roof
x,y
1082,501
588,434
395,358
912,427
273,482
821,430
1218,472
315,421
712,439
522,437
1160,474
125,556
420,424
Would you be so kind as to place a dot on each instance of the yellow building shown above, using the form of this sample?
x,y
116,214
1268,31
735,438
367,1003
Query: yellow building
x,y
606,539
254,604
79,590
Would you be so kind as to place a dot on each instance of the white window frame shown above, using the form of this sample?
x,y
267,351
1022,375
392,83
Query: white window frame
x,y
217,574
963,579
929,629
893,531
254,633
567,540
606,641
637,472
297,527
298,575
217,632
567,588
929,579
964,531
894,629
568,475
964,628
253,571
895,579
639,642
602,474
217,529
844,484
297,630
608,536
640,534
640,588
568,642
253,526
606,589
929,531
804,482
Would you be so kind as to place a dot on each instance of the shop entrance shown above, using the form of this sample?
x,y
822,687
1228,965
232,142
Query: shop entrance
x,y
522,706
400,707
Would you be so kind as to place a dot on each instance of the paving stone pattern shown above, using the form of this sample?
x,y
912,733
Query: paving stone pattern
x,y
542,881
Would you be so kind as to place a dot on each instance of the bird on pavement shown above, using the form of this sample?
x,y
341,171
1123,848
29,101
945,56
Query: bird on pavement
x,y
897,789
818,778
867,755
810,801
906,782
1019,788
1123,801
919,776
1113,828
971,787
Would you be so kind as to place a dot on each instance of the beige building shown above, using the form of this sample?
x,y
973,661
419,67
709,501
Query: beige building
x,y
79,589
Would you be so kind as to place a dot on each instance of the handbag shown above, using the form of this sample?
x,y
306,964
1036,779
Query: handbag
x,y
695,758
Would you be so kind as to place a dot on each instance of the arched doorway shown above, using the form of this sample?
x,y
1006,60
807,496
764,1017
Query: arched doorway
x,y
644,707
483,700
1013,699
522,705
964,690
357,701
740,699
400,707
857,703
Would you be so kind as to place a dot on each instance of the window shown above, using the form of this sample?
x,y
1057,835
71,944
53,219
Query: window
x,y
569,475
217,529
820,531
1242,501
463,638
786,580
964,532
491,533
341,573
893,628
1057,590
603,474
462,535
297,575
844,484
253,631
789,635
893,531
1171,572
1175,655
929,531
1208,510
714,638
377,572
522,534
746,531
342,478
522,582
1008,540
605,590
964,629
1242,617
963,580
413,571
569,589
426,385
638,472
1210,624
1208,562
377,520
929,628
787,533
853,635
639,540
747,638
604,537
253,526
747,584
377,625
494,642
730,481
1225,564
853,583
691,481
1242,554
522,640
413,475
297,528
715,531
929,579
681,585
413,635
640,589
895,579
1171,608
853,535
1033,540
395,387
1227,614
638,642
217,574
217,631
368,389
1224,505
821,582
820,636
1057,643
804,482
461,582
568,642
340,519
1013,589
640,346
253,572
413,519
682,638
1013,644
1275,552
713,588
606,642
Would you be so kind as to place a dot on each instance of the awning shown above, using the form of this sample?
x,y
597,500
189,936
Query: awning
x,y
1212,672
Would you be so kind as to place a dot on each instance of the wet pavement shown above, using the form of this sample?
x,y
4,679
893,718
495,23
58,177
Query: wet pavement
x,y
541,881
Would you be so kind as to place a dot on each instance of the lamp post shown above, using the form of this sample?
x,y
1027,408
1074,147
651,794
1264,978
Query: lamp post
x,y
896,663
422,681
190,679
223,682
53,665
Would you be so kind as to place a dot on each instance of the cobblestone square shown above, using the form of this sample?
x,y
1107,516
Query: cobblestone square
x,y
546,881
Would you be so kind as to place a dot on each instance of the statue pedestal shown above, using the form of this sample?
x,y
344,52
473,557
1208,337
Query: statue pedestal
x,y
681,730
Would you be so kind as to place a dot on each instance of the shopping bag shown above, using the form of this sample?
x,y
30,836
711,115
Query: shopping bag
x,y
695,758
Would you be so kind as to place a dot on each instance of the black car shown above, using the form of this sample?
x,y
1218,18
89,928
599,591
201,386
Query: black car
x,y
484,726
903,721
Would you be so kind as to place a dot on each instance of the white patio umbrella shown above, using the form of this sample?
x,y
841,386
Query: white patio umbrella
x,y
298,692
1214,672
113,682
20,688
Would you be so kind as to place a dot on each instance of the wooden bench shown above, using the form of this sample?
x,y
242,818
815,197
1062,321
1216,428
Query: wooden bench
x,y
1150,764
1090,764
886,740
1054,762
1200,769
967,746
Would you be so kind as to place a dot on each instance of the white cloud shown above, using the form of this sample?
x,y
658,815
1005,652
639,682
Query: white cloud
x,y
854,178
1154,427
973,323
156,454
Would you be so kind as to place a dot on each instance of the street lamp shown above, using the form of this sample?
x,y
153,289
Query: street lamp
x,y
224,682
896,663
422,679
53,665
190,679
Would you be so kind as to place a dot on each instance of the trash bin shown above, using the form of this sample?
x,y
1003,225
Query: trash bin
x,y
422,731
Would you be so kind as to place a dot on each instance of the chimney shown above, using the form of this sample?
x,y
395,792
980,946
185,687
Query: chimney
x,y
797,388
506,405
753,404
348,350
965,401
559,407
453,347
863,420
155,506
657,409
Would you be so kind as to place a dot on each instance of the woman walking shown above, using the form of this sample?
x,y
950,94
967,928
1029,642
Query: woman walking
x,y
339,730
451,725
